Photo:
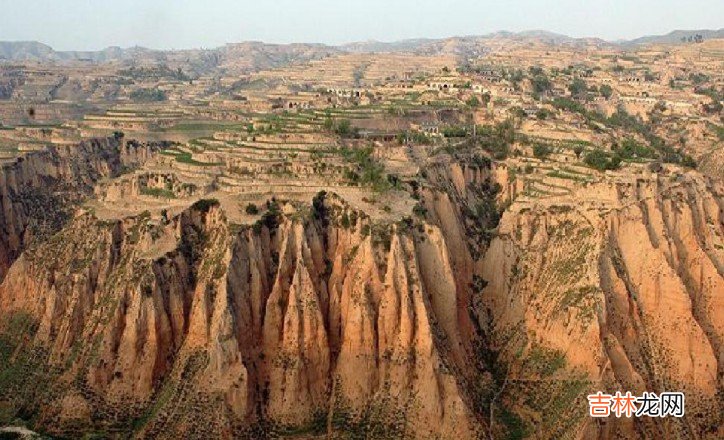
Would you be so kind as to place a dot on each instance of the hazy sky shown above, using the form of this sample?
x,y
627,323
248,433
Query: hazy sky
x,y
165,24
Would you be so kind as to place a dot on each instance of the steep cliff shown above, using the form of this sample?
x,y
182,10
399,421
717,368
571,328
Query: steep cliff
x,y
318,320
40,190
625,295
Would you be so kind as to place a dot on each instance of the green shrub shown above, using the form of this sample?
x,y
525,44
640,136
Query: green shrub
x,y
497,139
542,151
454,131
578,87
605,90
630,149
158,192
204,205
542,114
602,161
148,95
252,209
419,210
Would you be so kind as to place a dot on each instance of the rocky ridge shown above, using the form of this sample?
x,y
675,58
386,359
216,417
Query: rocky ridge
x,y
39,190
455,323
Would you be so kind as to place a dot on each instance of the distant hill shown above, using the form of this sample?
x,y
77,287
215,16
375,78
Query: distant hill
x,y
429,44
35,51
373,46
675,37
234,58
25,50
239,57
253,55
458,45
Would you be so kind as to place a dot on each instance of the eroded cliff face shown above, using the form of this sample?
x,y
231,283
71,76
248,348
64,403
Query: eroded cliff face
x,y
584,298
318,320
39,191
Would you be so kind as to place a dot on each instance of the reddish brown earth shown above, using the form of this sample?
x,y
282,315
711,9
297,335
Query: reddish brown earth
x,y
320,321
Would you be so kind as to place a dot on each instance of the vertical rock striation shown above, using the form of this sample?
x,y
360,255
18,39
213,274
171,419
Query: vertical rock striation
x,y
321,321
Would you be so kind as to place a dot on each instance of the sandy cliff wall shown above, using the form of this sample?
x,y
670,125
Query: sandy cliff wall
x,y
38,191
301,323
628,298
456,323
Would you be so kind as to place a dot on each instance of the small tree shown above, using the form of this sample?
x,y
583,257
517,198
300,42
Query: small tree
x,y
688,161
343,128
606,91
577,87
401,137
473,102
252,209
540,84
517,112
542,114
542,151
419,210
486,99
328,123
601,161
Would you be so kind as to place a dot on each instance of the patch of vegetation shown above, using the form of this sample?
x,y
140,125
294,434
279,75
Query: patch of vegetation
x,y
26,380
714,94
419,210
570,105
516,428
605,90
342,127
454,132
567,175
162,193
631,149
414,136
544,361
602,161
541,150
581,298
625,121
154,72
539,81
543,114
208,126
186,157
578,88
148,95
473,102
386,417
271,218
381,236
366,171
719,130
497,139
204,205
